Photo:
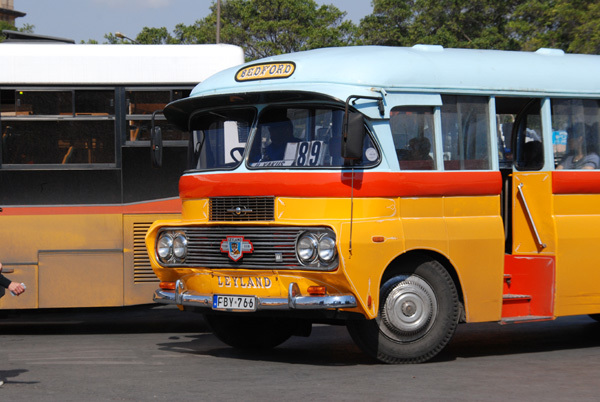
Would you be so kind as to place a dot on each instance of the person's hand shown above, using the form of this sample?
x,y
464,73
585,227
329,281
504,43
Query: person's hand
x,y
16,288
0,267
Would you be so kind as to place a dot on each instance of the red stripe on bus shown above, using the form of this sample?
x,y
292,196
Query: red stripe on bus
x,y
576,182
151,207
321,184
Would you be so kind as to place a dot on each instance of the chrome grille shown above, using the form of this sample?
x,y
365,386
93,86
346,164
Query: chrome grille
x,y
274,247
240,209
142,270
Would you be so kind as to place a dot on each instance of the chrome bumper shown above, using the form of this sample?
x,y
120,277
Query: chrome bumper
x,y
294,301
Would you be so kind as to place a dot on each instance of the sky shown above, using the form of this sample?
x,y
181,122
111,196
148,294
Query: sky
x,y
83,20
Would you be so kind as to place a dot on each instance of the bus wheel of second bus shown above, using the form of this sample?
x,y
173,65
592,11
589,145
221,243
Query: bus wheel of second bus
x,y
418,314
251,332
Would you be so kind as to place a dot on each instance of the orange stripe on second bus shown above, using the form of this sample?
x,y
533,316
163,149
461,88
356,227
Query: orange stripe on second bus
x,y
171,205
576,182
321,184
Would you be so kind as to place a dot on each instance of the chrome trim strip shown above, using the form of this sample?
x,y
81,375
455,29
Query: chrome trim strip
x,y
295,301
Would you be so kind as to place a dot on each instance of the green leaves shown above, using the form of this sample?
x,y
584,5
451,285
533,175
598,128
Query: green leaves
x,y
268,27
571,25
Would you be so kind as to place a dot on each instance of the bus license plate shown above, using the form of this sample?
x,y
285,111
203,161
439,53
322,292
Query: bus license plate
x,y
223,302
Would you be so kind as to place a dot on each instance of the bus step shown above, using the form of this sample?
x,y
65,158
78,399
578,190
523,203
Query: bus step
x,y
528,318
507,283
516,305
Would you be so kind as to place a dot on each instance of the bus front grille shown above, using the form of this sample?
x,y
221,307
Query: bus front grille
x,y
239,209
272,248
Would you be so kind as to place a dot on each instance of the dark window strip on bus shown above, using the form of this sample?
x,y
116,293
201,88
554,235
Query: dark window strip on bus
x,y
74,145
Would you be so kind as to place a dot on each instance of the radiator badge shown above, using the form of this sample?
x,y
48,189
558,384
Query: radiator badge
x,y
236,247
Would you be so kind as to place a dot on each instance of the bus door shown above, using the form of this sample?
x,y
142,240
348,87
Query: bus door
x,y
576,204
529,273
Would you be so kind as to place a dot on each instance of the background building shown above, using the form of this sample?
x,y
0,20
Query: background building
x,y
8,13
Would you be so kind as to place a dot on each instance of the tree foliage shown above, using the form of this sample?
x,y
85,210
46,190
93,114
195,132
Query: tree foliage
x,y
4,25
571,25
389,24
267,27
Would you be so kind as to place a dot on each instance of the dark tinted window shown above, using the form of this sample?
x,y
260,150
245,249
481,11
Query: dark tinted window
x,y
303,137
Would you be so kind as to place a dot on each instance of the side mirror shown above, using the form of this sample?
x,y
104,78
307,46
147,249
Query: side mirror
x,y
156,144
353,136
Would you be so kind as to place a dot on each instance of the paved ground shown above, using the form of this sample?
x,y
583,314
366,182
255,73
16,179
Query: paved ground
x,y
160,353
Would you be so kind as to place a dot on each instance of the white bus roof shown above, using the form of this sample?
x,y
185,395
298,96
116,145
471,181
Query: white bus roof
x,y
69,64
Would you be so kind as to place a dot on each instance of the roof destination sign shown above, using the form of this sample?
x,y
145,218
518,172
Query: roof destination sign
x,y
266,71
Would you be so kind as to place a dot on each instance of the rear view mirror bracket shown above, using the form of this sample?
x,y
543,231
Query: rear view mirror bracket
x,y
353,129
156,144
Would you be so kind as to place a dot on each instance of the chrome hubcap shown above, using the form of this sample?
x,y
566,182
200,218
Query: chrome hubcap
x,y
409,310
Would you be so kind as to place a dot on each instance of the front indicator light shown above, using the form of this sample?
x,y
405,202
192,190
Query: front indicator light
x,y
317,290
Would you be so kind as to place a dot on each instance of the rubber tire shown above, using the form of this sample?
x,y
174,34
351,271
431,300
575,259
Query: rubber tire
x,y
373,337
250,332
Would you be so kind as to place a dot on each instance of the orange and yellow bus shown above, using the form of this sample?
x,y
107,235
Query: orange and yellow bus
x,y
77,186
397,190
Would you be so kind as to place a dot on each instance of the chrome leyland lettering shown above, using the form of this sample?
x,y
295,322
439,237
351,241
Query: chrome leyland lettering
x,y
244,282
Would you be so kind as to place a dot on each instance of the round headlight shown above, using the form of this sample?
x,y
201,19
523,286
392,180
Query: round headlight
x,y
326,249
164,246
180,246
307,248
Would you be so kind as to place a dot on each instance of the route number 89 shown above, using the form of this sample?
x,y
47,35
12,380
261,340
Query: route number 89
x,y
309,153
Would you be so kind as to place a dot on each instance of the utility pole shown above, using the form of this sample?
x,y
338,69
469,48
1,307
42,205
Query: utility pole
x,y
218,21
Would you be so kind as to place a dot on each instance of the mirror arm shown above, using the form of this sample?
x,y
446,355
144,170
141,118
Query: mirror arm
x,y
155,141
354,98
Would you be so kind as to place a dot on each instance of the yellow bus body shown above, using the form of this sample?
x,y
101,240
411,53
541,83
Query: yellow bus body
x,y
457,186
72,260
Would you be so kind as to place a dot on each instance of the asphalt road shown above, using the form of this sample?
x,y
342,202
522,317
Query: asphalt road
x,y
144,354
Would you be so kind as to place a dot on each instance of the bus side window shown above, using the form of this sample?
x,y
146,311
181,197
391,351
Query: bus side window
x,y
141,103
575,133
412,132
58,127
465,132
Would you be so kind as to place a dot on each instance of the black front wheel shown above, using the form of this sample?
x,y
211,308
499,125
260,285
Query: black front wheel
x,y
246,332
418,315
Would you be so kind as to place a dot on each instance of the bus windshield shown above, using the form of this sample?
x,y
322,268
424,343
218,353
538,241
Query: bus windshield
x,y
303,137
219,138
284,137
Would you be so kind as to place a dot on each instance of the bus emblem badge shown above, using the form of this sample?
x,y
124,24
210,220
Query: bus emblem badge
x,y
236,247
239,211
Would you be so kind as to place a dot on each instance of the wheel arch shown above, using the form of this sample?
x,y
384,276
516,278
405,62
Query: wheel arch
x,y
411,258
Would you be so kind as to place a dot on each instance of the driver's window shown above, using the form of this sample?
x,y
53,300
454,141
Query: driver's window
x,y
219,138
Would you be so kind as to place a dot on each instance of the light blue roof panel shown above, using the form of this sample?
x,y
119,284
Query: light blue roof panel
x,y
422,69
427,68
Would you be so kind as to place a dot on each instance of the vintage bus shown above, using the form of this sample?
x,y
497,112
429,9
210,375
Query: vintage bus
x,y
397,190
77,186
